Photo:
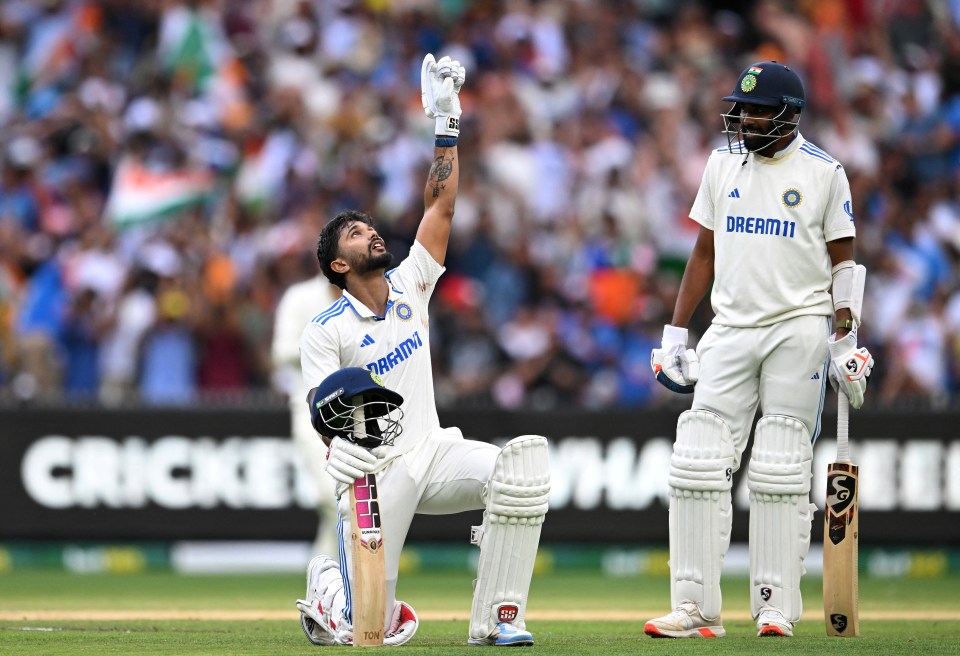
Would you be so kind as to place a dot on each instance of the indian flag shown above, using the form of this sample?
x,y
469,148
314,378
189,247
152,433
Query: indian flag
x,y
139,195
756,70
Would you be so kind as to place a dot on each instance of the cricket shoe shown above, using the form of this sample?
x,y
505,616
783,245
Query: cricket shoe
x,y
505,635
771,622
685,621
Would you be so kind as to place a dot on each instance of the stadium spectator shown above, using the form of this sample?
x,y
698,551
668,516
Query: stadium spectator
x,y
224,130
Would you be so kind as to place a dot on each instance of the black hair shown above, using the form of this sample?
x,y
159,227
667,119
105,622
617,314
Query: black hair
x,y
328,245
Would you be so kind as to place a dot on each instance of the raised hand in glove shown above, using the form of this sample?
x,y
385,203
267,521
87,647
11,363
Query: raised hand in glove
x,y
346,461
677,368
440,83
850,368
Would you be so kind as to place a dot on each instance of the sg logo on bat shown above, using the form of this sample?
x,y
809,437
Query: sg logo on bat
x,y
841,493
839,621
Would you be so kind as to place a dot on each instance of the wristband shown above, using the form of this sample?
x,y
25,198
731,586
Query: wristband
x,y
847,324
445,142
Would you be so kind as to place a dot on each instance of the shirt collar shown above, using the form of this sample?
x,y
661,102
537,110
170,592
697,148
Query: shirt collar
x,y
784,152
366,313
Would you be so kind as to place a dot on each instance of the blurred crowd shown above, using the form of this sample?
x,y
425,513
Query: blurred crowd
x,y
167,166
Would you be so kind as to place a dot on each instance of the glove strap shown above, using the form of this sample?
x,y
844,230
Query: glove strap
x,y
447,126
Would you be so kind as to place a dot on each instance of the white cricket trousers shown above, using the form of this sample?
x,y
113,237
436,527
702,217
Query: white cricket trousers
x,y
782,367
442,475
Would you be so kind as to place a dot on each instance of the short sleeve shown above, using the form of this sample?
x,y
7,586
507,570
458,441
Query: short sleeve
x,y
838,214
704,208
419,272
319,355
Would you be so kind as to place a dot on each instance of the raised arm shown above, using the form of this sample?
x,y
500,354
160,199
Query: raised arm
x,y
439,199
440,83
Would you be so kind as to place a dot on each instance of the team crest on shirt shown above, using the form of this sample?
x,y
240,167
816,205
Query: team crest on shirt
x,y
404,311
748,83
792,197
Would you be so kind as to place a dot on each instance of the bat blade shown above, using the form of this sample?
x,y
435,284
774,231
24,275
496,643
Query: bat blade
x,y
369,587
840,547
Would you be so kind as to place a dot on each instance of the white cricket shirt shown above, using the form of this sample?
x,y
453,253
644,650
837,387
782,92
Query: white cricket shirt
x,y
396,345
771,220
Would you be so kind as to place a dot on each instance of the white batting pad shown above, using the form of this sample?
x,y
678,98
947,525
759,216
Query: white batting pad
x,y
508,539
780,513
701,475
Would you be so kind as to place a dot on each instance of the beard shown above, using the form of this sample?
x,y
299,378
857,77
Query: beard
x,y
754,141
373,263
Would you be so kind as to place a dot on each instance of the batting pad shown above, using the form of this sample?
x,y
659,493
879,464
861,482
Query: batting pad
x,y
780,513
508,539
701,476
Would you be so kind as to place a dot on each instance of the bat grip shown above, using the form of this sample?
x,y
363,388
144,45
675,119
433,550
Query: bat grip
x,y
843,428
359,419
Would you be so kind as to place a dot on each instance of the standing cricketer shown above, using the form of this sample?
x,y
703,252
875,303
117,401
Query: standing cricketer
x,y
296,308
381,324
776,239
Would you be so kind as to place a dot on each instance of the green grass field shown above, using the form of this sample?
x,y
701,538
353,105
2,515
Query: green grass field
x,y
45,612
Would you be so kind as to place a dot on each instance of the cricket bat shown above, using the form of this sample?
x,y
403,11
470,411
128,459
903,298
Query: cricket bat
x,y
840,535
369,584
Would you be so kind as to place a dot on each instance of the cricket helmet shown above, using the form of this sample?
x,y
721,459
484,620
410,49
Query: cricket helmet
x,y
769,84
354,404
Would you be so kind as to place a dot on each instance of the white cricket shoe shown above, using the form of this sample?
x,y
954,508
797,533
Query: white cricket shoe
x,y
771,622
685,621
505,635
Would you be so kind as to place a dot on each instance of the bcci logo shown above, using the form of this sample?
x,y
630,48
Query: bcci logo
x,y
792,197
376,378
404,311
748,83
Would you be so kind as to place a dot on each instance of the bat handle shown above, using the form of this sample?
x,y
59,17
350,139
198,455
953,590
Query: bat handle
x,y
843,428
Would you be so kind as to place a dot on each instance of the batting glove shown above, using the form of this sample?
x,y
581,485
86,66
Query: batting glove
x,y
850,367
440,83
346,461
403,624
677,368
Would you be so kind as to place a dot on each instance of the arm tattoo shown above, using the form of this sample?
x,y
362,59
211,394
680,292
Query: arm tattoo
x,y
441,169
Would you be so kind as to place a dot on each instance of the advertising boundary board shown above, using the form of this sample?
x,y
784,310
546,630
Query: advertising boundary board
x,y
229,474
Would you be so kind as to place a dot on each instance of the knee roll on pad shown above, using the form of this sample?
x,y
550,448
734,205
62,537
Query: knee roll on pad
x,y
780,513
517,499
701,476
